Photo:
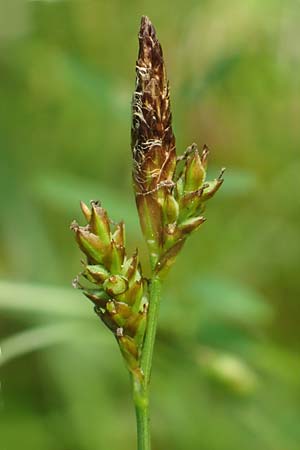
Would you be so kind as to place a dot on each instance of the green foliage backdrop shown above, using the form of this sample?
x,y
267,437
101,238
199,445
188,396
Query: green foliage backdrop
x,y
226,369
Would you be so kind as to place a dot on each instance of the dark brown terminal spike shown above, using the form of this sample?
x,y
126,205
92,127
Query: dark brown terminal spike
x,y
169,190
153,141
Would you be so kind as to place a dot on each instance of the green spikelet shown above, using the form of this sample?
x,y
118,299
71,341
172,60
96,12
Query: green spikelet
x,y
117,288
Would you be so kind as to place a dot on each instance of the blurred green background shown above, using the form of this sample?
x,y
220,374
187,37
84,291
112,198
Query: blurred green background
x,y
226,369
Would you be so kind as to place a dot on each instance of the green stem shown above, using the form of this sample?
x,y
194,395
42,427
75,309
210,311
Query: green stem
x,y
141,401
141,387
146,362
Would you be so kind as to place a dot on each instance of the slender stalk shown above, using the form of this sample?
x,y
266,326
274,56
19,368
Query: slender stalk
x,y
146,362
141,388
143,428
141,401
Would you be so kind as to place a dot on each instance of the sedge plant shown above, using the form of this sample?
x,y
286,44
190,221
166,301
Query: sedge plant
x,y
171,192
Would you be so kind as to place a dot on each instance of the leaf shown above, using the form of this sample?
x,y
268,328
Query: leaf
x,y
39,338
43,299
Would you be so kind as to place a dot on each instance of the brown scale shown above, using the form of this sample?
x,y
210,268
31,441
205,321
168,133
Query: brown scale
x,y
153,141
